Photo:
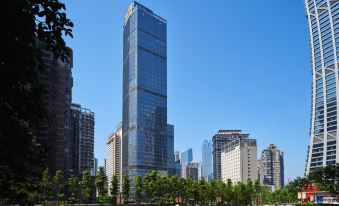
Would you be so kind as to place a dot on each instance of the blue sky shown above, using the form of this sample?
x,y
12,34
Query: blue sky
x,y
231,65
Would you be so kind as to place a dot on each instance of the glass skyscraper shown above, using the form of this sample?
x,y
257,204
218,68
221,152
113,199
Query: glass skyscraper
x,y
144,125
323,24
206,164
186,156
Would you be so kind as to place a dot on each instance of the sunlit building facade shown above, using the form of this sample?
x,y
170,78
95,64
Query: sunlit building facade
x,y
113,161
239,161
219,141
186,156
144,120
323,24
206,164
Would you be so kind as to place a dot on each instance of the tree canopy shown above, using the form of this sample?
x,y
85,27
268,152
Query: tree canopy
x,y
327,178
23,23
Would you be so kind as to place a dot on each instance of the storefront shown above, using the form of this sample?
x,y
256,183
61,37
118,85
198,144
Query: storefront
x,y
318,197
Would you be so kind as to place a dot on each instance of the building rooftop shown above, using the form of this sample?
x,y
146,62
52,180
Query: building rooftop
x,y
241,142
229,131
135,5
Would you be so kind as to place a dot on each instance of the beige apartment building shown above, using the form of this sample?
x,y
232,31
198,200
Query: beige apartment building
x,y
239,160
113,160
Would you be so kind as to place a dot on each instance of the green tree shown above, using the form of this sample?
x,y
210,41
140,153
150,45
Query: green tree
x,y
279,197
293,190
256,191
150,185
175,188
73,189
23,22
264,196
213,191
166,188
243,194
236,200
46,185
182,192
86,186
190,190
227,192
59,185
297,185
249,191
100,181
125,188
203,189
137,189
114,189
283,195
221,187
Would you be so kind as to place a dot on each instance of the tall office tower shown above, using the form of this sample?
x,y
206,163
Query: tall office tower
x,y
87,140
75,139
54,131
170,151
186,156
113,156
219,140
176,156
144,119
206,165
271,167
323,31
191,169
239,160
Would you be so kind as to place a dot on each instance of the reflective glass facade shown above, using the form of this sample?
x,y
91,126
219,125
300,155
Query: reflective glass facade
x,y
186,157
144,124
206,158
323,25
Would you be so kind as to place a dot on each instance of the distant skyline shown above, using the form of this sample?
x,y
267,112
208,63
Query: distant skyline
x,y
231,65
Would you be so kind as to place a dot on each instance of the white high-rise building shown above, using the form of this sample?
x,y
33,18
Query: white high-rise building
x,y
323,27
222,138
239,161
114,157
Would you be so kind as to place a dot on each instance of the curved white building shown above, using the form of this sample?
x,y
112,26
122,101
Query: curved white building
x,y
323,24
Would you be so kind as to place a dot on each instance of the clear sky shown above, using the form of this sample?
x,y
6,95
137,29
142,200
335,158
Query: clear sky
x,y
231,65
